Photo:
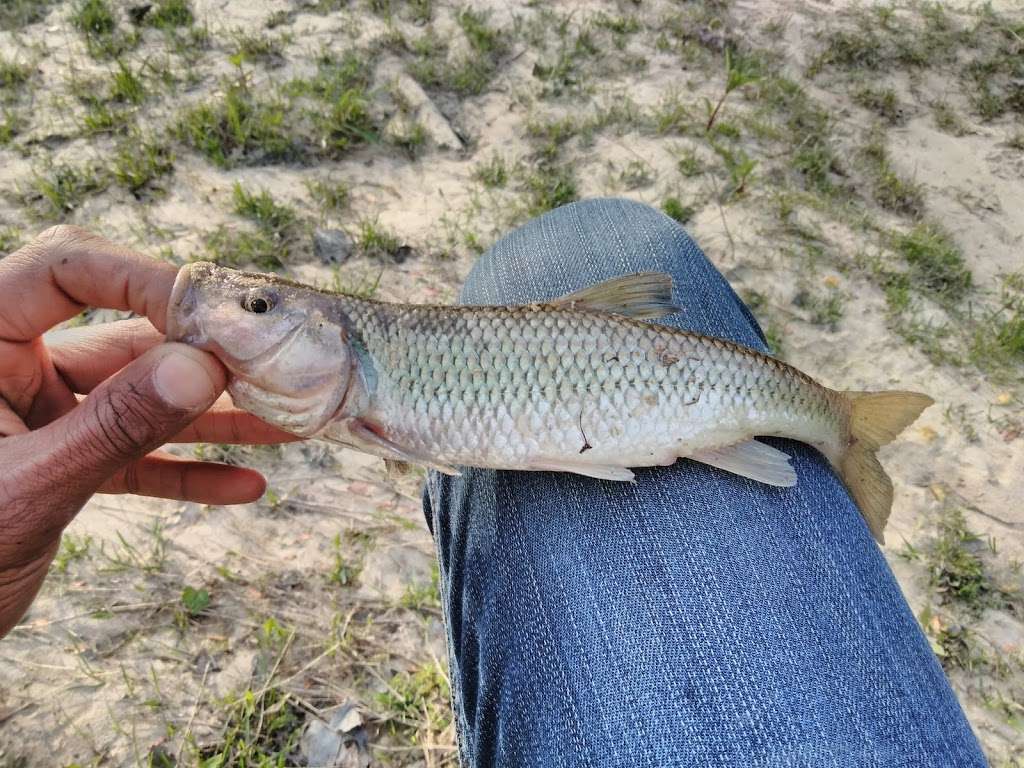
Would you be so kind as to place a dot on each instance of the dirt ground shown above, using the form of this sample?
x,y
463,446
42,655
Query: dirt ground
x,y
856,171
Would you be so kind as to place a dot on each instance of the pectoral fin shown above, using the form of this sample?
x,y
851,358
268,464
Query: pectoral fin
x,y
366,437
752,459
644,295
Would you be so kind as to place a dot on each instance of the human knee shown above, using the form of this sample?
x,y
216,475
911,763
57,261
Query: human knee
x,y
578,244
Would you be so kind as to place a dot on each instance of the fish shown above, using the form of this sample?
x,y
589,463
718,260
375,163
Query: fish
x,y
584,383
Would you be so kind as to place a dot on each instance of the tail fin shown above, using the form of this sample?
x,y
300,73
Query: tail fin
x,y
876,418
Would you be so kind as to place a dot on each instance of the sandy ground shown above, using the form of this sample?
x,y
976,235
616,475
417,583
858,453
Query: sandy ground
x,y
322,594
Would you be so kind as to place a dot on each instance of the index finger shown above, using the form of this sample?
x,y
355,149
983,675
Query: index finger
x,y
67,268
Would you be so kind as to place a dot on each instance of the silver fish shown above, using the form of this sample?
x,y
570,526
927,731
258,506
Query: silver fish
x,y
577,384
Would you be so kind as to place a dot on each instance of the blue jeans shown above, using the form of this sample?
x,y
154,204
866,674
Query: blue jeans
x,y
693,619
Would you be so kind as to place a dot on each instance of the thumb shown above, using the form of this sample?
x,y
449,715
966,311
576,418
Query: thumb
x,y
127,416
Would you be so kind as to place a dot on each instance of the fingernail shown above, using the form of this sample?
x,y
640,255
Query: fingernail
x,y
183,382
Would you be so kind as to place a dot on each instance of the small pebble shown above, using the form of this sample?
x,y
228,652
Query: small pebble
x,y
332,246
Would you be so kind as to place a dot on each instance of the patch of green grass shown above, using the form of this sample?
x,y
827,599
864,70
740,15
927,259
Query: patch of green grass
x,y
623,114
672,117
420,11
548,187
263,210
279,18
340,115
825,309
955,567
223,453
269,246
410,136
1010,335
332,197
416,11
947,119
849,49
96,21
419,597
563,74
951,641
618,25
739,71
674,208
882,101
808,129
126,86
492,173
72,549
347,123
889,189
109,105
773,335
689,164
189,43
471,74
416,702
139,164
483,39
125,556
759,306
552,135
15,14
993,73
740,167
101,117
335,76
260,48
13,75
56,192
636,174
195,601
170,14
262,728
936,264
905,318
239,128
897,194
11,124
344,573
376,240
363,287
998,340
877,40
234,248
94,17
10,241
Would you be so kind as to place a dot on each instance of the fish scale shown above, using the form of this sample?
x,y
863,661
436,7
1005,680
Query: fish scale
x,y
500,386
577,384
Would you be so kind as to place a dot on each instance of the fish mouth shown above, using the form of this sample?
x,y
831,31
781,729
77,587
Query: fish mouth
x,y
181,307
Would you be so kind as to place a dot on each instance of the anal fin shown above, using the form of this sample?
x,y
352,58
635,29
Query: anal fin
x,y
644,295
600,471
752,459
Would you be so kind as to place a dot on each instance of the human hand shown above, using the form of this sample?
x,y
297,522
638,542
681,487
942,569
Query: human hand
x,y
57,451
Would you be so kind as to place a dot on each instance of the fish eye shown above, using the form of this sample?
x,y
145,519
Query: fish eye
x,y
258,303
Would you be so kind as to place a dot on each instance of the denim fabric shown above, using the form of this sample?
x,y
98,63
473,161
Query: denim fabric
x,y
694,618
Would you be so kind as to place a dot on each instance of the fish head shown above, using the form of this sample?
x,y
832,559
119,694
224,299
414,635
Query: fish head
x,y
285,345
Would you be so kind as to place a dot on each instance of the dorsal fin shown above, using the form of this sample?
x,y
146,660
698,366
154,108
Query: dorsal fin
x,y
644,295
